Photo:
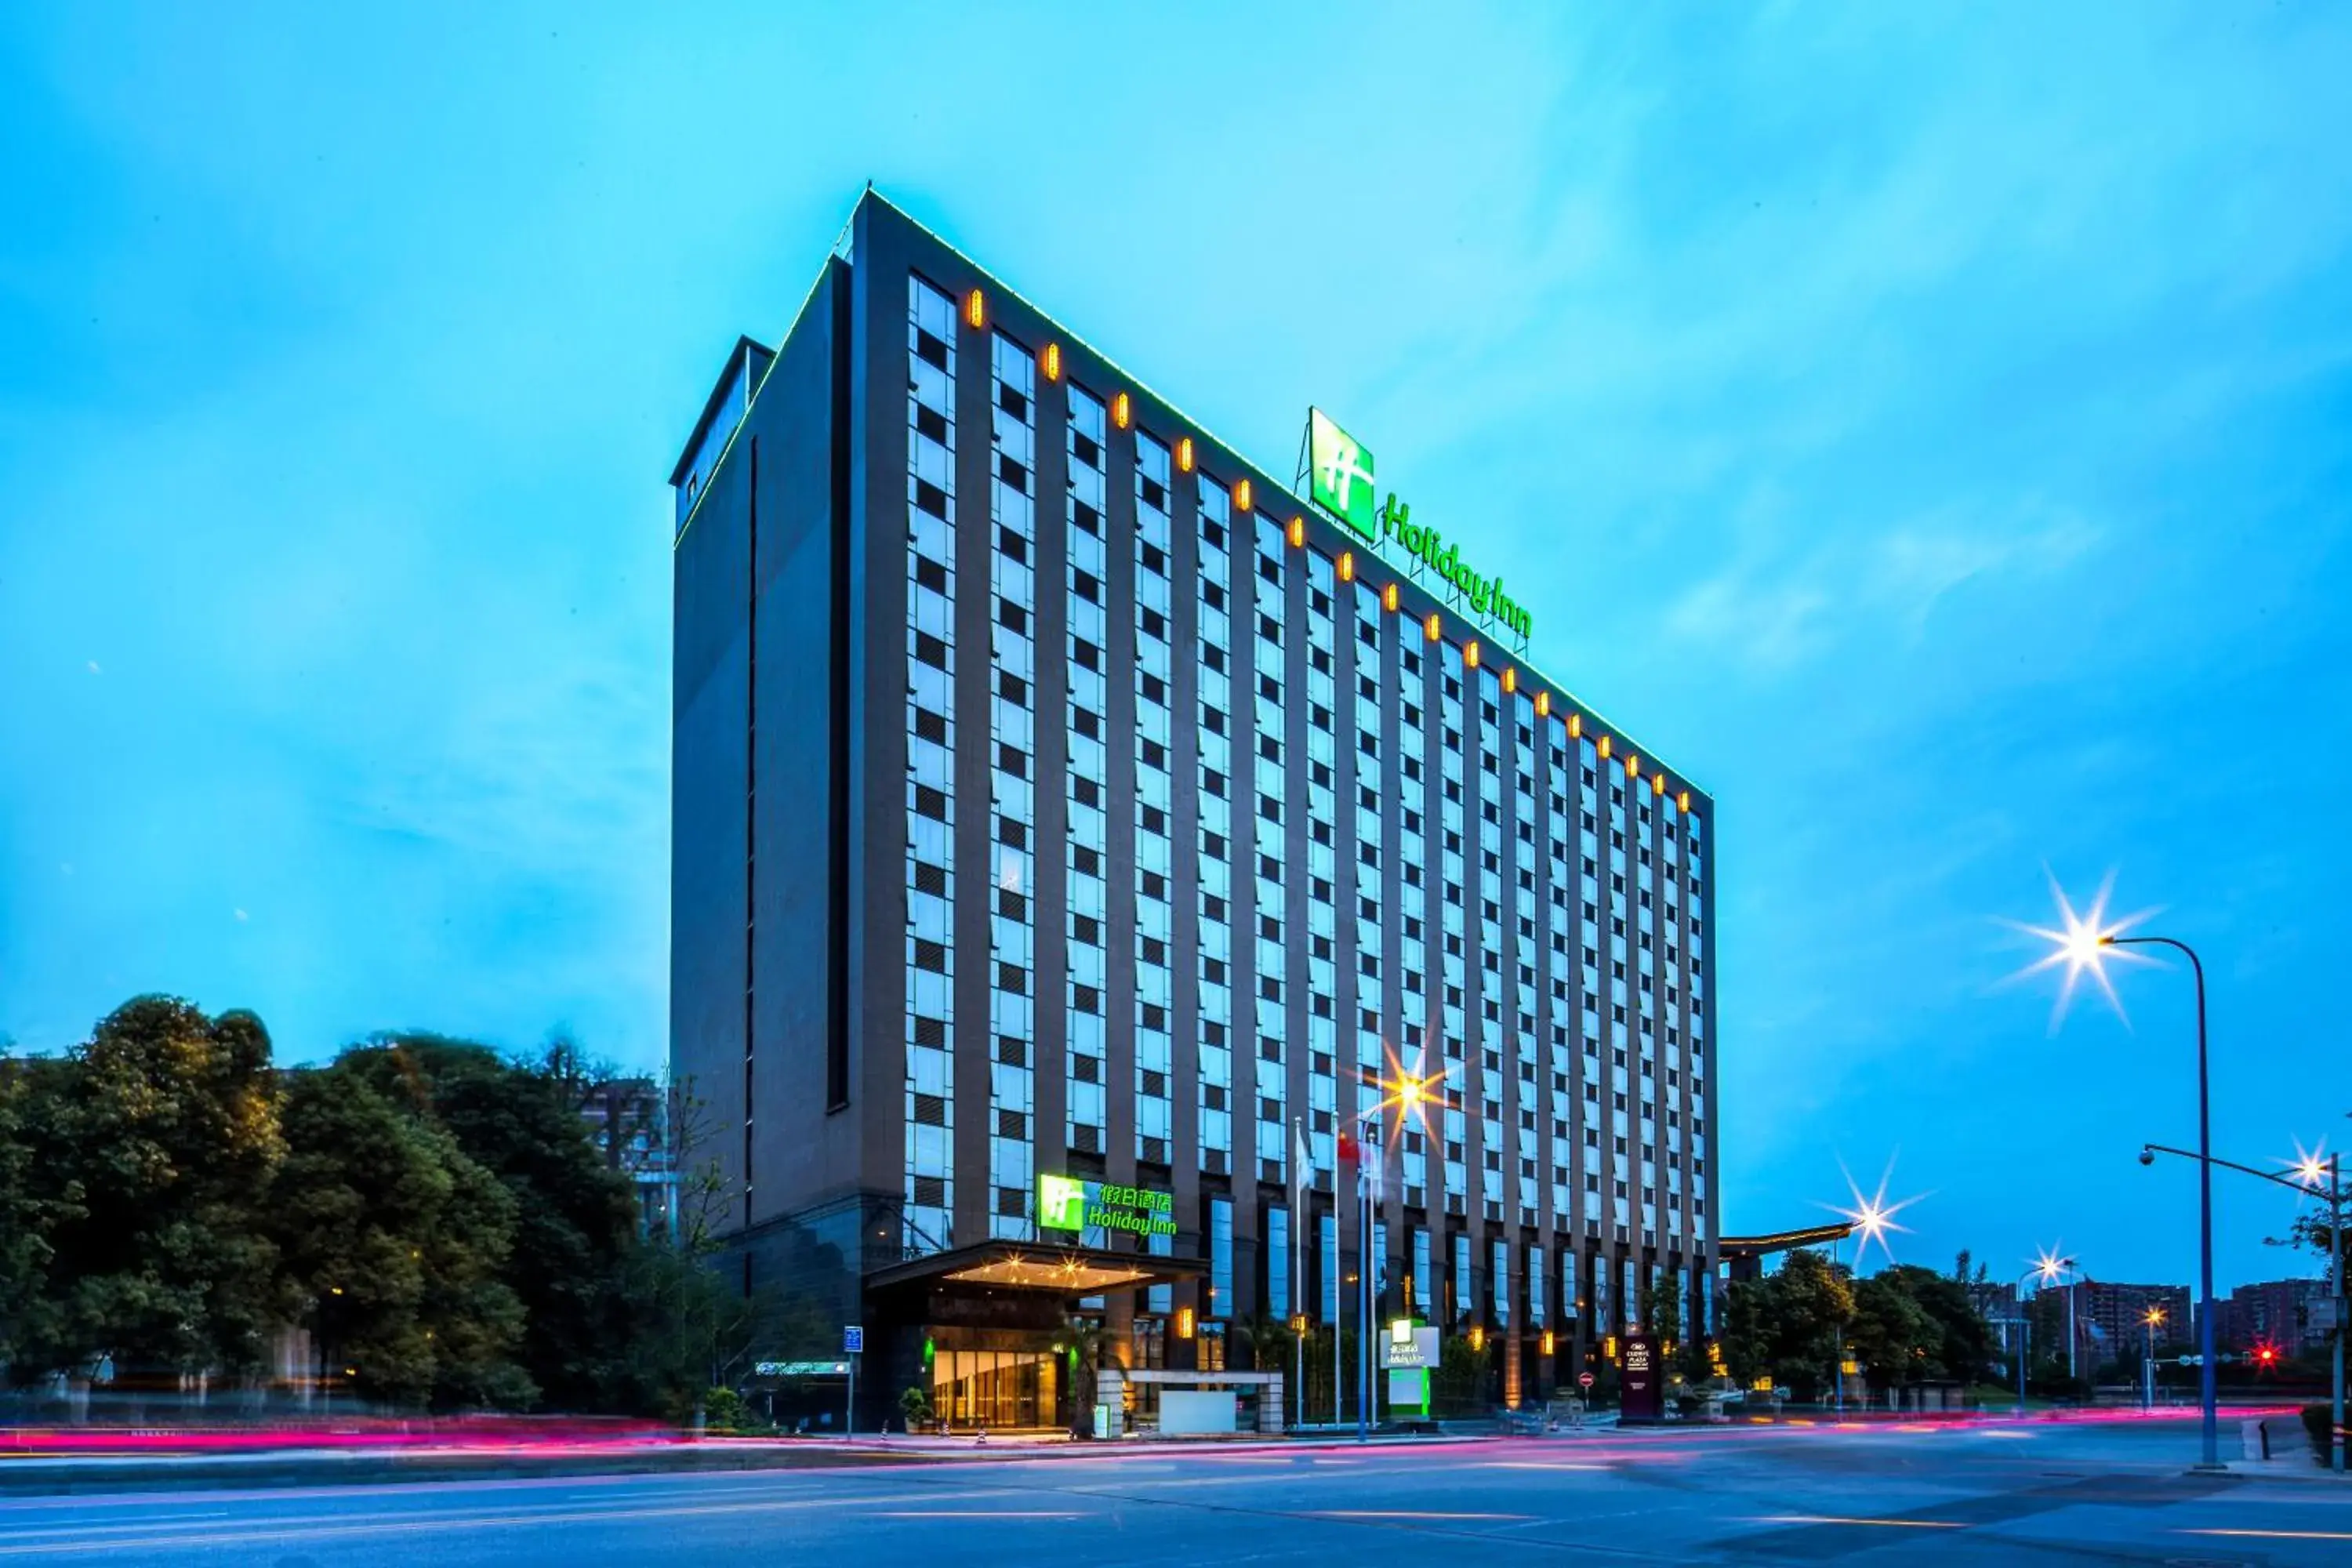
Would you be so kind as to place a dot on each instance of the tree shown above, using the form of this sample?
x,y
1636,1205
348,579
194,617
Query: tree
x,y
1087,1342
156,1144
395,1242
1661,1314
25,1220
576,1220
1891,1333
1785,1325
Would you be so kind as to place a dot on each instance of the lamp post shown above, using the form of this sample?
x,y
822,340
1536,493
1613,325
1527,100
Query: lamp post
x,y
2306,1178
2046,1269
1410,1093
2205,1386
2083,942
2148,1394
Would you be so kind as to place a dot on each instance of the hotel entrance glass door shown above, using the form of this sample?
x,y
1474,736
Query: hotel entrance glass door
x,y
994,1388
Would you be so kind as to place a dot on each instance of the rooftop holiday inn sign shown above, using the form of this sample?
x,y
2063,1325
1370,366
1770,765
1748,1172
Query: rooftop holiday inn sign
x,y
1340,469
1066,1203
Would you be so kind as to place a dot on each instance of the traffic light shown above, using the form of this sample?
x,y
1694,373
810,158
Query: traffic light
x,y
2266,1356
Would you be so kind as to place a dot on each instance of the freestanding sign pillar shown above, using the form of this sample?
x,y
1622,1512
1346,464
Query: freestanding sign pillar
x,y
1640,1391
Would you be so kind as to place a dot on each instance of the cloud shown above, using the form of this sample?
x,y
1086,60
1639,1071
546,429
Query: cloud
x,y
1775,612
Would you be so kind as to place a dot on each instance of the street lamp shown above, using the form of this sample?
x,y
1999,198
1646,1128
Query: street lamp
x,y
2083,942
1873,1217
2147,1397
2307,1173
2047,1270
1410,1093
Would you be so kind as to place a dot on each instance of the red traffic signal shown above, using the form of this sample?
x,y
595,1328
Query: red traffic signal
x,y
2266,1355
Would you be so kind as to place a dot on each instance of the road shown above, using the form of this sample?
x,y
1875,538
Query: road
x,y
2104,1493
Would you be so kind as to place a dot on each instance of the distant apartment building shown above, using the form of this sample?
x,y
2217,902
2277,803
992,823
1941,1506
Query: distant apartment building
x,y
628,1120
2285,1314
2111,1318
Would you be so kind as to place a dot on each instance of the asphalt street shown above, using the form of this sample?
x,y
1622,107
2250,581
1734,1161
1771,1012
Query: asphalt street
x,y
2034,1493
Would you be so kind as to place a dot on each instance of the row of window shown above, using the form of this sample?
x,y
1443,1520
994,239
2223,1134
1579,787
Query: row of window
x,y
1537,813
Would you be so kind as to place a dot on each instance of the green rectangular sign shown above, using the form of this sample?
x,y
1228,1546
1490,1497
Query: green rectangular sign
x,y
1066,1203
1341,469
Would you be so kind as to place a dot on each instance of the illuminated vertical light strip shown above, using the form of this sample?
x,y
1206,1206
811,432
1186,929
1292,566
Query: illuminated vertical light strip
x,y
1212,892
1122,410
930,1096
1415,1028
1241,493
1389,598
1087,725
1321,801
1489,1050
1298,534
1012,1145
1452,918
975,310
1184,454
1049,361
1267,778
1152,811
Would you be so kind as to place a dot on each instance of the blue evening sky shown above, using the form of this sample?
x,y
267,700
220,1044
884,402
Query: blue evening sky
x,y
1927,426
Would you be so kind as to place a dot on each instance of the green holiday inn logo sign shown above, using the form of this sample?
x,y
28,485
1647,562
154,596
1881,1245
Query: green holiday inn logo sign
x,y
1340,470
1066,1203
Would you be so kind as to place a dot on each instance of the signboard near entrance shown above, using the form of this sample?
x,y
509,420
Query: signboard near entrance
x,y
1641,1389
1066,1202
1413,1349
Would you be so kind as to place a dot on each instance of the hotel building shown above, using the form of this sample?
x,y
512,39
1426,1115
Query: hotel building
x,y
1061,797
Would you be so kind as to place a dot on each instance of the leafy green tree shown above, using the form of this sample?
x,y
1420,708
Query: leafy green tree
x,y
576,1220
25,1221
154,1147
1743,1338
1785,1325
1662,1315
1892,1334
395,1242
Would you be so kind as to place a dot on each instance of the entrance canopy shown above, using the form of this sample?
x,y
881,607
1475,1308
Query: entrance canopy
x,y
1056,1268
1746,1254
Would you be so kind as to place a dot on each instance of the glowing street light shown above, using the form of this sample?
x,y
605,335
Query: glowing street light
x,y
1871,1218
2084,944
2316,1173
2153,1317
1410,1094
